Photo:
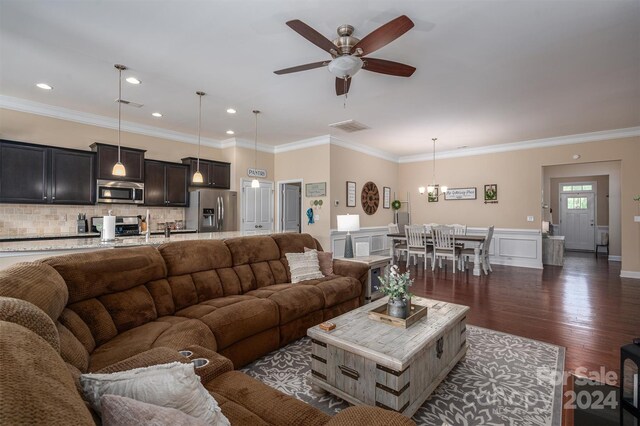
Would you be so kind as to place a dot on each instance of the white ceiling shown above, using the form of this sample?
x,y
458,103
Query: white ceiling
x,y
488,72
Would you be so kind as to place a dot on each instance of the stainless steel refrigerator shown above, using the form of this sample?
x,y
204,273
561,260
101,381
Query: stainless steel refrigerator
x,y
212,210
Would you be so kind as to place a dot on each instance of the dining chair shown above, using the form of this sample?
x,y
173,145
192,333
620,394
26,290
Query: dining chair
x,y
416,244
484,252
444,246
399,246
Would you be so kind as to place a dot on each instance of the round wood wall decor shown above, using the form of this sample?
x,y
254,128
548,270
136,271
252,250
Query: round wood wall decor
x,y
370,198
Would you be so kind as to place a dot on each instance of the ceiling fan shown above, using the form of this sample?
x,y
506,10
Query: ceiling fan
x,y
349,53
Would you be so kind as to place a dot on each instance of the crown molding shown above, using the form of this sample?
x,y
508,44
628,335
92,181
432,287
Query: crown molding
x,y
23,105
243,143
530,144
365,149
302,144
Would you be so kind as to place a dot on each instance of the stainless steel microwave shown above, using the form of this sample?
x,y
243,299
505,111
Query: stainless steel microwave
x,y
121,192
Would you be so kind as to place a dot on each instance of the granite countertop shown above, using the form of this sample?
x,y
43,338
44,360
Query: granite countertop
x,y
95,243
67,235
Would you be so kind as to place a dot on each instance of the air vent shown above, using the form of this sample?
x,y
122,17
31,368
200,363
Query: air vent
x,y
131,104
349,126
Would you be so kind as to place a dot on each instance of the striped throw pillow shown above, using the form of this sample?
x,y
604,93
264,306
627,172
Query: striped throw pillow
x,y
303,266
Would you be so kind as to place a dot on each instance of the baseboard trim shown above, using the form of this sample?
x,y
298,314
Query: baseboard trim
x,y
630,274
615,258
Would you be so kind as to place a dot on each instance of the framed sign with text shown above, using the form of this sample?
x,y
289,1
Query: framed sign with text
x,y
351,194
386,197
461,194
318,189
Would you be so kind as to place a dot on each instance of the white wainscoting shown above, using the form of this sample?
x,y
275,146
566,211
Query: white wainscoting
x,y
511,247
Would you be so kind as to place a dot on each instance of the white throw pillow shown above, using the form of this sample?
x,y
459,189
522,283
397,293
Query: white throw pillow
x,y
304,266
173,385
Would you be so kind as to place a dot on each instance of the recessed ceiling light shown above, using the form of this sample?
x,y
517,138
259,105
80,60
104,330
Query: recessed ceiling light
x,y
133,80
44,86
231,111
156,114
230,132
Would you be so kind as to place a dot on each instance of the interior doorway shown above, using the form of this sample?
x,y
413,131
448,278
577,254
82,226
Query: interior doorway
x,y
290,206
257,207
578,215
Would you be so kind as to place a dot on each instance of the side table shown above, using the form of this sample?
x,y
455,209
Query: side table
x,y
377,266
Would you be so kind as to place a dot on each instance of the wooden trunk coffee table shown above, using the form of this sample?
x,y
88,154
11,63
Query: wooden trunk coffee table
x,y
364,361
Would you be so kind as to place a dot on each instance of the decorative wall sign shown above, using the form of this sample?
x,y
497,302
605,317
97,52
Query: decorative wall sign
x,y
370,198
433,196
386,197
351,194
260,173
461,194
318,189
491,193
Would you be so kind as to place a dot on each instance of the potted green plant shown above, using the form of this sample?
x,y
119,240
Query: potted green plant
x,y
396,286
396,204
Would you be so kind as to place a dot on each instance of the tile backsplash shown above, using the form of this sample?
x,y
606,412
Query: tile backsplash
x,y
37,219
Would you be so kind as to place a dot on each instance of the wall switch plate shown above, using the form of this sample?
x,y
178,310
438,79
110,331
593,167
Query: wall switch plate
x,y
529,218
316,218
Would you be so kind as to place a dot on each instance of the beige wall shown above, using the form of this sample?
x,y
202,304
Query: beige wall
x,y
520,187
312,165
24,127
602,196
348,165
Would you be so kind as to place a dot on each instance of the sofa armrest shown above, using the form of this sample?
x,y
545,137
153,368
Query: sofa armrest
x,y
145,359
369,416
217,365
359,271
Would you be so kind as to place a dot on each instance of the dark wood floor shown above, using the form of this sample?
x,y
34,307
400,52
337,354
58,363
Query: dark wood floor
x,y
584,306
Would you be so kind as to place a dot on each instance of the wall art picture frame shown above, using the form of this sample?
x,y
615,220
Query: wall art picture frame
x,y
461,193
386,197
433,196
318,189
351,194
491,193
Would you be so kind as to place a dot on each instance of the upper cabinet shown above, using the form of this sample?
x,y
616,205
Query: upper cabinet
x,y
40,174
216,174
131,158
166,184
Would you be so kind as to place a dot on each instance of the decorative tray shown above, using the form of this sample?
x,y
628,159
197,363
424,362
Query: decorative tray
x,y
416,312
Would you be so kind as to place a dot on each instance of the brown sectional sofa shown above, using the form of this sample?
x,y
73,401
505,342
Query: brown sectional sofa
x,y
230,298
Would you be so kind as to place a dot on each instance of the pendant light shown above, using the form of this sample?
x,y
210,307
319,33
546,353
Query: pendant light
x,y
431,188
118,168
197,176
255,183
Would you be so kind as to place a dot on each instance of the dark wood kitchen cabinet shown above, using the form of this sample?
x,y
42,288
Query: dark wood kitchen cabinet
x,y
41,174
131,158
166,184
215,174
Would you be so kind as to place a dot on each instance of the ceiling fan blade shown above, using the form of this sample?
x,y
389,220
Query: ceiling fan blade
x,y
302,67
340,86
383,66
312,35
384,35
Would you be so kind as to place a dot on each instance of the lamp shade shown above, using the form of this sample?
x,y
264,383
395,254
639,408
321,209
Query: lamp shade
x,y
348,222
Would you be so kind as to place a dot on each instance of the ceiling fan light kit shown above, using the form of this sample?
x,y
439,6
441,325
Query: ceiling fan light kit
x,y
348,52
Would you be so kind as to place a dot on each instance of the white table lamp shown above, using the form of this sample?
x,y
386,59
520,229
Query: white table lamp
x,y
348,223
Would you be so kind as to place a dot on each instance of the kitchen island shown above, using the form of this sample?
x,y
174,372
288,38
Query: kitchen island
x,y
26,251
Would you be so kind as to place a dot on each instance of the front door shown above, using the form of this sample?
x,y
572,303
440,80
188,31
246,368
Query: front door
x,y
257,207
291,207
577,220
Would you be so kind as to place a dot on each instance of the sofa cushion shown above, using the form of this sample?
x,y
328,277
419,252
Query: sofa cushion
x,y
246,401
236,318
37,388
246,250
171,332
336,290
188,257
303,266
294,243
130,308
297,301
30,316
102,272
36,283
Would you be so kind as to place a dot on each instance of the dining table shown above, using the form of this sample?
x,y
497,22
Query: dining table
x,y
476,239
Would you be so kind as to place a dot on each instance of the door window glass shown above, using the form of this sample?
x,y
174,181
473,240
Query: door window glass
x,y
577,203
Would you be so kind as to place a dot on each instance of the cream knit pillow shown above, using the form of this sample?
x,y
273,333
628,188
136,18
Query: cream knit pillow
x,y
304,266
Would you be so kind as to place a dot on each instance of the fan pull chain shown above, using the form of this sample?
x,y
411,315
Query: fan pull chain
x,y
344,105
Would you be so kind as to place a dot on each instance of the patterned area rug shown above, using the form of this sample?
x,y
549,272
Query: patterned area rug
x,y
503,380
